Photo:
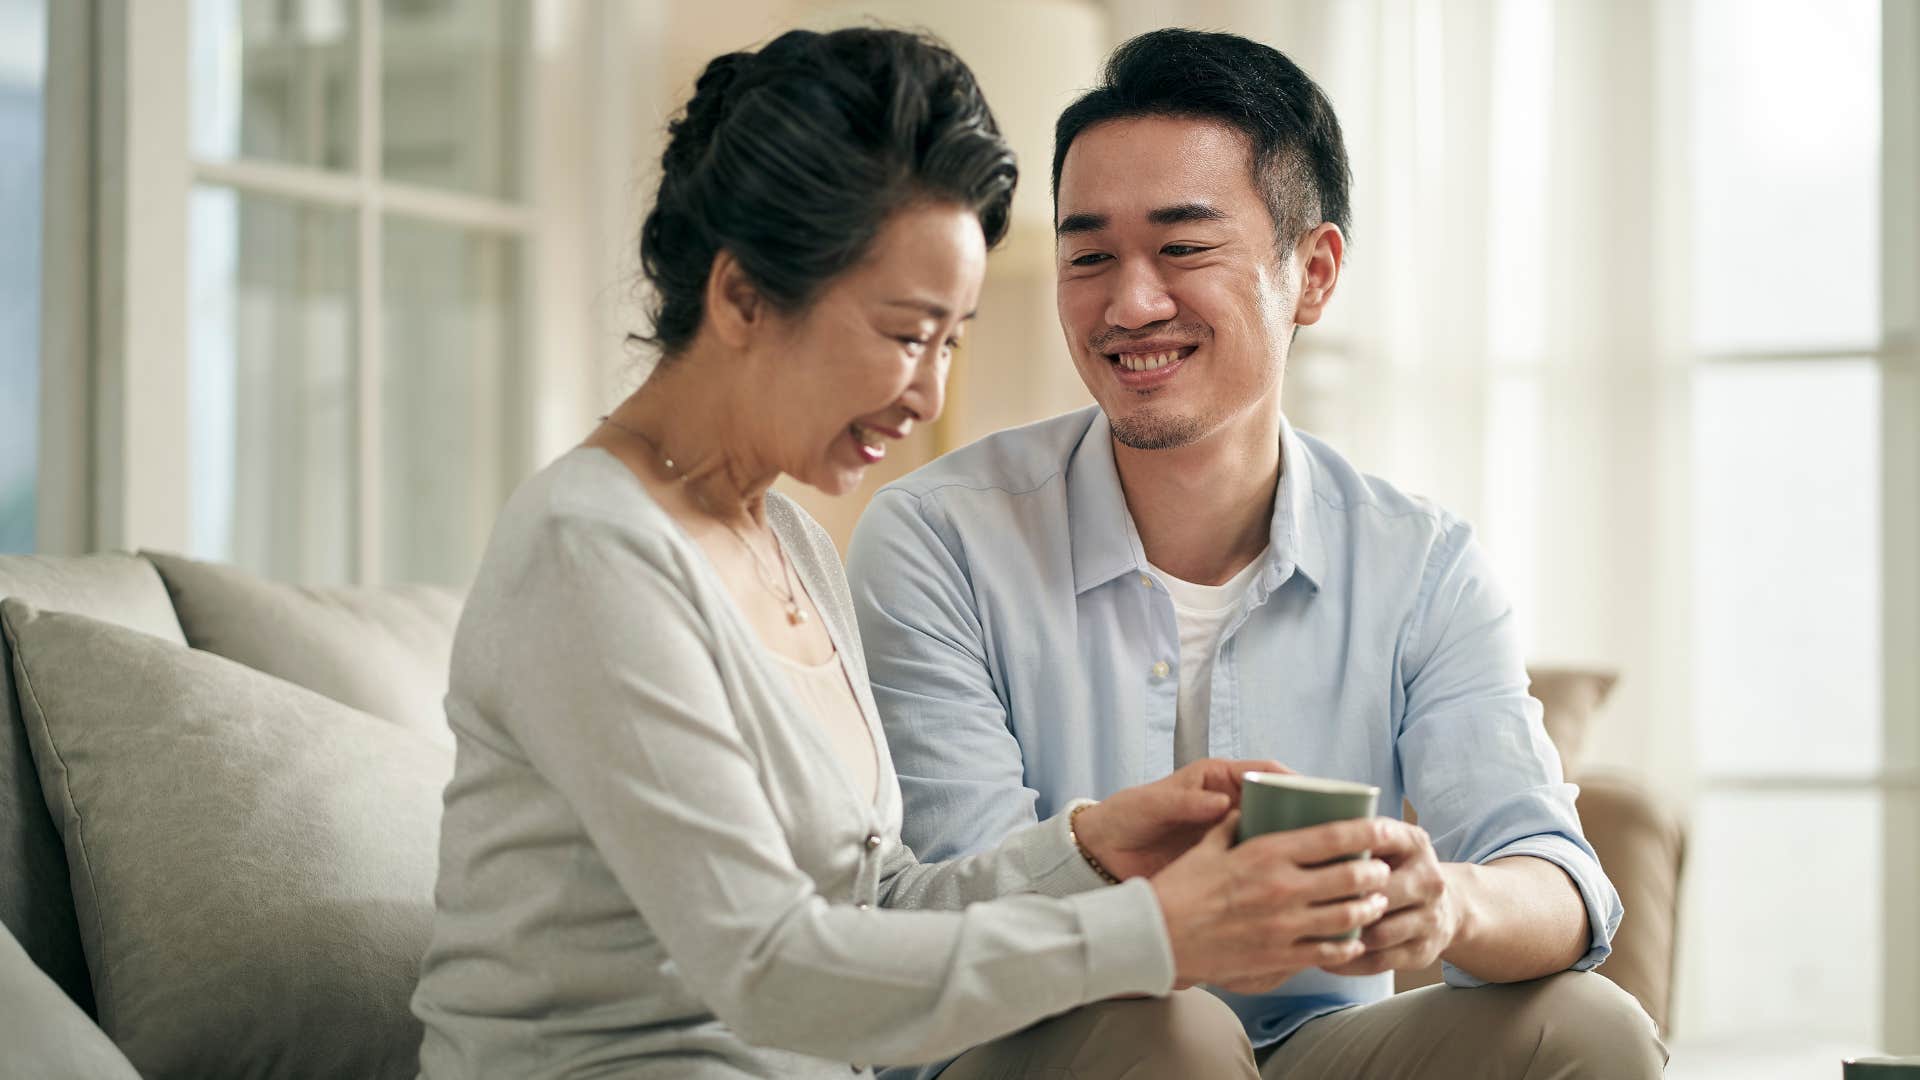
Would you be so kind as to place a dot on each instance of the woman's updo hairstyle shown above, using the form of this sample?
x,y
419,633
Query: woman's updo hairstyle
x,y
792,158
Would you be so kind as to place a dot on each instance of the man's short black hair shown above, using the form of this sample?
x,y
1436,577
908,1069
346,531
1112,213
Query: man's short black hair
x,y
1299,158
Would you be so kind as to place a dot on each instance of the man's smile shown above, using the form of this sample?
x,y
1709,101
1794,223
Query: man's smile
x,y
1144,367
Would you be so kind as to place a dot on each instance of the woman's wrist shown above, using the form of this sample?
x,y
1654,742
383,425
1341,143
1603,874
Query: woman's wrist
x,y
1075,834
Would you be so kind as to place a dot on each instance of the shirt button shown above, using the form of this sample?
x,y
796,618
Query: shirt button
x,y
873,841
1147,581
1160,669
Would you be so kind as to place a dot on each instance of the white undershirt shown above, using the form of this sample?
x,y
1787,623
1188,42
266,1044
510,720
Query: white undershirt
x,y
1201,611
824,691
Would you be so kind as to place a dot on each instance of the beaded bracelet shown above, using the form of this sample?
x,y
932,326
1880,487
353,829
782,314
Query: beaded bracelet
x,y
1074,835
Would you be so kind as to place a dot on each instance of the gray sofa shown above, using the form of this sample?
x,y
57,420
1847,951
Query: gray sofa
x,y
219,811
215,860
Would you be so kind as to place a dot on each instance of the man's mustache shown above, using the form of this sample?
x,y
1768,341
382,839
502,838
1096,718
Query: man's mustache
x,y
1113,338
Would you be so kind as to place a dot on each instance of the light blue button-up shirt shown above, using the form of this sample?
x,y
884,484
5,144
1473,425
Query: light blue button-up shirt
x,y
1023,655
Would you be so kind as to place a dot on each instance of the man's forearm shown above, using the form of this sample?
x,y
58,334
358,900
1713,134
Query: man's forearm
x,y
1521,918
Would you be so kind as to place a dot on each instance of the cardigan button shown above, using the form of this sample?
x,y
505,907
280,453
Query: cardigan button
x,y
873,841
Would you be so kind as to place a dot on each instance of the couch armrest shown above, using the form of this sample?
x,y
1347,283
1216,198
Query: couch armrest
x,y
1641,842
1642,847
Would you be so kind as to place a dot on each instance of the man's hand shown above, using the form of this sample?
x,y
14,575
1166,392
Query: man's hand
x,y
1136,832
1248,917
1423,915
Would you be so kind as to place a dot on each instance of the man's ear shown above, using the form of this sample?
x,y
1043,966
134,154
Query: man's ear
x,y
1319,254
734,307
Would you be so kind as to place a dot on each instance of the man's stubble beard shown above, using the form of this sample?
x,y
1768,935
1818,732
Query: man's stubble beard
x,y
1151,432
1156,432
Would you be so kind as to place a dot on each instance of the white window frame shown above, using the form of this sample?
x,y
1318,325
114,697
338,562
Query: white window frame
x,y
1897,360
1899,781
115,471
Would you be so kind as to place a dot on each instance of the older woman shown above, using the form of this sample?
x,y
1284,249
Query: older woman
x,y
671,844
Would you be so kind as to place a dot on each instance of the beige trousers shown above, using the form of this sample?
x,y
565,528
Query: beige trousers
x,y
1570,1026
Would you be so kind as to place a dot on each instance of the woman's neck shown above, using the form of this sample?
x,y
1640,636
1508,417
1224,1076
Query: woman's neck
x,y
693,410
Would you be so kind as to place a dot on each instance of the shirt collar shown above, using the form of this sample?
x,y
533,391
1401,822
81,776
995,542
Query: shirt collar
x,y
1106,545
1294,537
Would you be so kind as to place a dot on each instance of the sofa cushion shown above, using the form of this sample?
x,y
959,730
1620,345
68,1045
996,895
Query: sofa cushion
x,y
383,650
253,863
45,1034
36,906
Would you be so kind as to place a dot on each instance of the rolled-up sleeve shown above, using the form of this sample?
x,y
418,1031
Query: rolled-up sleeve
x,y
1479,766
633,721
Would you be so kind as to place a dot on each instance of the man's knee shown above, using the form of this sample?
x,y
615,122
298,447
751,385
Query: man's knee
x,y
1589,1027
1187,1033
1203,1032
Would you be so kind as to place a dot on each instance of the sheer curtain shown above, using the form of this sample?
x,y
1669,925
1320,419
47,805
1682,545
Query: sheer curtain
x,y
1614,295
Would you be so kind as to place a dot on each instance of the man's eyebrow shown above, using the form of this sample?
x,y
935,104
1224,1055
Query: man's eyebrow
x,y
930,307
1185,212
1080,223
1178,214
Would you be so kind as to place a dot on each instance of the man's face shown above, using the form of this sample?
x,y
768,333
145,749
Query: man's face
x,y
1177,302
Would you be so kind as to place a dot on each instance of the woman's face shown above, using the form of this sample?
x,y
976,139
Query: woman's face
x,y
868,359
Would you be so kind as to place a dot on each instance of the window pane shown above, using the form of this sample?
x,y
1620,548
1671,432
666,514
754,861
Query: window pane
x,y
1786,161
23,42
1513,494
1783,923
1786,562
450,109
275,81
271,385
452,348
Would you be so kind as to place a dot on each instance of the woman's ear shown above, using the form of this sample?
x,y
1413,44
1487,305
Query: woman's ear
x,y
734,307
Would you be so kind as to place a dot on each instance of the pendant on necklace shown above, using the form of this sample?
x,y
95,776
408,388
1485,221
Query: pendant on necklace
x,y
794,615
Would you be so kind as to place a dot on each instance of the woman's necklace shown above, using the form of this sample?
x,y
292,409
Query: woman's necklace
x,y
777,581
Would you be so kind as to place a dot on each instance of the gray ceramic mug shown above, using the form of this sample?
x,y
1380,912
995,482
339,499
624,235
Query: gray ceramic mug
x,y
1882,1068
1278,802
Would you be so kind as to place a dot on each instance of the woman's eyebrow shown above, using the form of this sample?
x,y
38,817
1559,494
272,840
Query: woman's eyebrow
x,y
936,310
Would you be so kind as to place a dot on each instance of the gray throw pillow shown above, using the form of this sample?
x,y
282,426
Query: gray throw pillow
x,y
45,1034
252,863
381,649
35,901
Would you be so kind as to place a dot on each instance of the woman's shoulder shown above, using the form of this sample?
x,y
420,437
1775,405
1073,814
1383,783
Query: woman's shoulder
x,y
585,504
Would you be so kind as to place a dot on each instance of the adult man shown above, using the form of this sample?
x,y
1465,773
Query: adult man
x,y
1081,604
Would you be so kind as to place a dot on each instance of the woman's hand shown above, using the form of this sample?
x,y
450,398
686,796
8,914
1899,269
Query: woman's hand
x,y
1136,832
1247,918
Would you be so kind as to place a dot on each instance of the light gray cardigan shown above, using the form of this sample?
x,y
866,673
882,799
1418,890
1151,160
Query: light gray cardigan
x,y
652,864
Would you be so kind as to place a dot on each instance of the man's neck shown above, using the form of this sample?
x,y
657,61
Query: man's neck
x,y
1204,510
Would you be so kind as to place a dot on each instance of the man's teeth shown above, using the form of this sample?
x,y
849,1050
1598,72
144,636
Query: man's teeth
x,y
1148,361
